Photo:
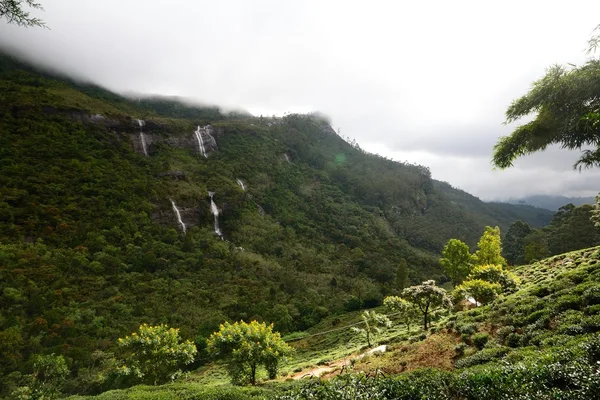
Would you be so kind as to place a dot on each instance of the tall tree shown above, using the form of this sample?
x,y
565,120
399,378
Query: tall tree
x,y
15,13
427,297
514,242
402,274
456,260
489,248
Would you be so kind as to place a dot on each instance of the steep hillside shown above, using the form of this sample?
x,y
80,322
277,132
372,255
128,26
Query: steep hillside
x,y
117,211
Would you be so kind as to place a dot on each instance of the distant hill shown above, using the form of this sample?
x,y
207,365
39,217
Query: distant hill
x,y
552,203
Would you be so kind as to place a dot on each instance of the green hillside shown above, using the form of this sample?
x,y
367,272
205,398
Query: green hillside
x,y
90,244
540,342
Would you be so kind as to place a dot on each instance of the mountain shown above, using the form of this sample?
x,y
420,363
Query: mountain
x,y
552,203
116,211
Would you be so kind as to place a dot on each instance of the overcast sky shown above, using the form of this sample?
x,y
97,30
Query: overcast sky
x,y
422,81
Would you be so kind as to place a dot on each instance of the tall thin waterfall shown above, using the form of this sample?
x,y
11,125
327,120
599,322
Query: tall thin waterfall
x,y
241,183
141,123
178,214
215,212
198,133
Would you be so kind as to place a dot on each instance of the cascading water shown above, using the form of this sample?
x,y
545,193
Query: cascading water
x,y
178,214
198,133
241,183
141,123
215,212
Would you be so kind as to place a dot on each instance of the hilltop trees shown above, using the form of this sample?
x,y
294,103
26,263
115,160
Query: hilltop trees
x,y
155,354
427,297
456,260
245,347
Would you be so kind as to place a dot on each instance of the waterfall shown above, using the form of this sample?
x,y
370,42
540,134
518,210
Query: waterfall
x,y
178,214
141,123
198,133
241,183
286,157
215,212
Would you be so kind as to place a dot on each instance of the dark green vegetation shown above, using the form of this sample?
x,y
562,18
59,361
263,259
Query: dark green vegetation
x,y
571,228
540,342
91,248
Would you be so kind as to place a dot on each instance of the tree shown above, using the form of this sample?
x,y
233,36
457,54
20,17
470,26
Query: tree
x,y
536,246
489,248
48,377
155,354
427,297
596,212
398,305
14,13
567,103
481,291
245,346
514,242
401,274
372,325
456,260
495,274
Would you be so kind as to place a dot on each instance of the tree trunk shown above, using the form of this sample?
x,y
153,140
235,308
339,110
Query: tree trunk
x,y
253,374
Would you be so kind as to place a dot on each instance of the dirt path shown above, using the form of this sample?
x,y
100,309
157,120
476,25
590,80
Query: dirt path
x,y
319,371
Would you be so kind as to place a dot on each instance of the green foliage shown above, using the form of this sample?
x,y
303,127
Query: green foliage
x,y
155,354
15,13
496,274
456,260
489,248
49,375
480,340
514,243
372,325
428,298
482,291
245,346
407,310
565,101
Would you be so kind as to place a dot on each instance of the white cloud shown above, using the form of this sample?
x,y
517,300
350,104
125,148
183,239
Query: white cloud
x,y
428,79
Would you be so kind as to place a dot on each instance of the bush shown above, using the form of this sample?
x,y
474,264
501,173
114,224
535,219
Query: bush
x,y
480,340
468,329
459,349
482,357
567,302
513,340
591,296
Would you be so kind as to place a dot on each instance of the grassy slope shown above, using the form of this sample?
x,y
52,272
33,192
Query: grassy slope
x,y
556,307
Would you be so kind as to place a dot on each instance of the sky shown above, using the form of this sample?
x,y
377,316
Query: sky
x,y
421,81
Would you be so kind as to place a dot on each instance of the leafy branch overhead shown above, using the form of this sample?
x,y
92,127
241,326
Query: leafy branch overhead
x,y
14,12
567,103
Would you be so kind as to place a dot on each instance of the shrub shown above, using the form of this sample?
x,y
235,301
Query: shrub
x,y
480,340
459,349
567,302
468,329
482,357
591,296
